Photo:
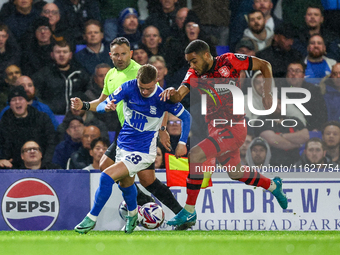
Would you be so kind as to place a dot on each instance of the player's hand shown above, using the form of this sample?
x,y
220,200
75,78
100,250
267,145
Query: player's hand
x,y
181,150
166,94
267,101
164,138
5,163
76,103
111,106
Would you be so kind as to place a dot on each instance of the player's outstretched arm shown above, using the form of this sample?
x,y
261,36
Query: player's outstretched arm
x,y
173,94
181,148
78,104
266,69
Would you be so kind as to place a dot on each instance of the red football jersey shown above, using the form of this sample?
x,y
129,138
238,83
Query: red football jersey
x,y
226,67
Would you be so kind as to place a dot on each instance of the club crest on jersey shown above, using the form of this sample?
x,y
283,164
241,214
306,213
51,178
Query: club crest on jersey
x,y
153,110
116,92
224,71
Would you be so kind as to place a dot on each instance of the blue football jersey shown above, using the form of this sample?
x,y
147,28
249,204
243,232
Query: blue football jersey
x,y
143,117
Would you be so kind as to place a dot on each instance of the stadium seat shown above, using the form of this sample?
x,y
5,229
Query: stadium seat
x,y
59,118
221,49
79,47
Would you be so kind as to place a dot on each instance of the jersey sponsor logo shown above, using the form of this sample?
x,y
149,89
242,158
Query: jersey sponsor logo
x,y
116,92
153,110
138,120
240,56
30,204
224,71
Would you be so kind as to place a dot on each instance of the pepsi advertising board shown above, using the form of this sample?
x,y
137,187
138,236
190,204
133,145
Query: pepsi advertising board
x,y
43,199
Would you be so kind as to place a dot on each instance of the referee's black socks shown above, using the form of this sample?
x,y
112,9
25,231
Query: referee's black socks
x,y
164,194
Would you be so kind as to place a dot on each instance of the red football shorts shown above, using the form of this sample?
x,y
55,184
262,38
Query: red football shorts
x,y
223,143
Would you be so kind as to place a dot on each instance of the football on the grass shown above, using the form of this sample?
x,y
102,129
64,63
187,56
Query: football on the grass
x,y
151,215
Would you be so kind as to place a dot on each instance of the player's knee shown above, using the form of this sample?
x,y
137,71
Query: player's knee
x,y
105,162
196,155
235,175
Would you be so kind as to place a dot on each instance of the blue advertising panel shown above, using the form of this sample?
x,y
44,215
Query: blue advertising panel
x,y
43,199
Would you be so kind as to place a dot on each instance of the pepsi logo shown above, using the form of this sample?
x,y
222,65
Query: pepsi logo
x,y
30,204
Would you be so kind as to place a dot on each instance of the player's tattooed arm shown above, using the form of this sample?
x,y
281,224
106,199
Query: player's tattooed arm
x,y
173,94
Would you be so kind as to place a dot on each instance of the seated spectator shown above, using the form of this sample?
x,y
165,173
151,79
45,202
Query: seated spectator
x,y
330,88
98,148
20,20
180,18
82,158
240,22
59,28
89,118
96,83
314,153
159,63
95,52
280,53
257,31
20,124
153,41
318,65
164,19
159,161
246,47
244,148
175,46
331,137
284,141
314,20
31,156
9,52
37,53
76,13
258,153
257,83
110,12
174,129
140,54
12,72
57,82
316,105
71,142
128,26
28,85
96,86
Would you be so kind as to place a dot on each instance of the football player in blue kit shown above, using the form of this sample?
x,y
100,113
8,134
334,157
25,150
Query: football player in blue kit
x,y
137,141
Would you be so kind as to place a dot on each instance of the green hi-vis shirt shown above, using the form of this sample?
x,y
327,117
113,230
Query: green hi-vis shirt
x,y
114,78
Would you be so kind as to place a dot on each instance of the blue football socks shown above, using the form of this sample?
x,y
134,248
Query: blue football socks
x,y
103,193
130,196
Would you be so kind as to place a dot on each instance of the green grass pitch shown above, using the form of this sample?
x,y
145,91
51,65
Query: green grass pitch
x,y
170,242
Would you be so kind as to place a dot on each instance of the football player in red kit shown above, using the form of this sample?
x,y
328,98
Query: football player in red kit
x,y
224,141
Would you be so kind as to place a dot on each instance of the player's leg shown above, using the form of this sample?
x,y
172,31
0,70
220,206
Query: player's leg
x,y
251,177
187,216
112,174
148,180
129,192
108,159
